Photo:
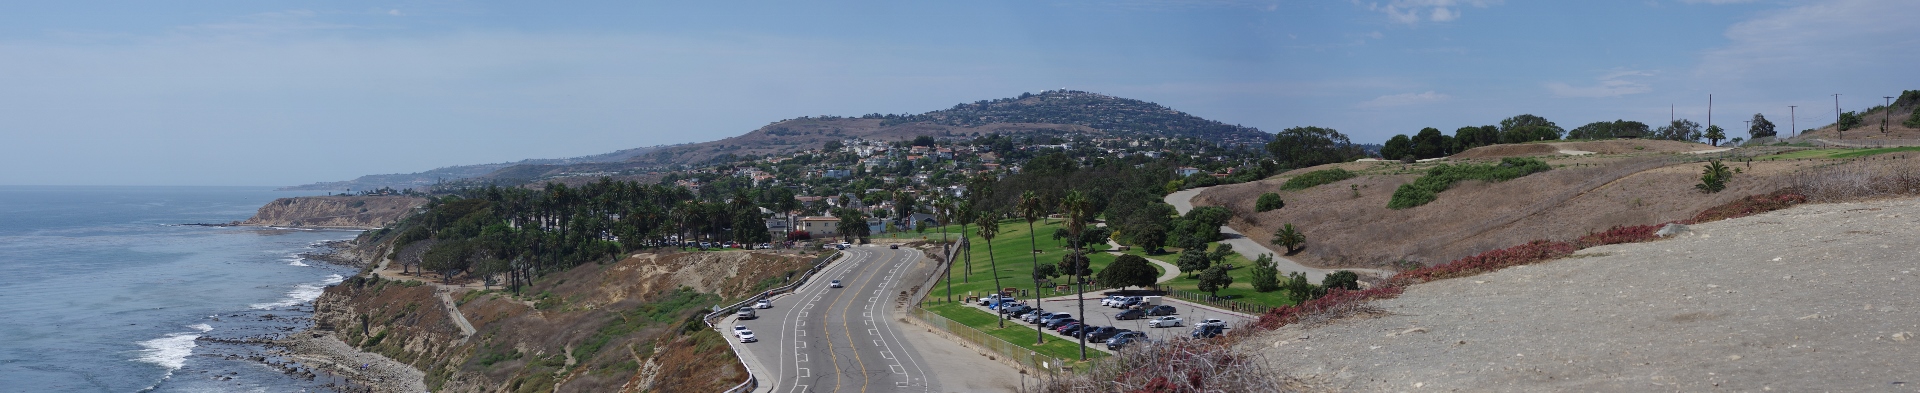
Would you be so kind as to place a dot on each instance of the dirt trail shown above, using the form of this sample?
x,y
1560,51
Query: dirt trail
x,y
1812,298
1183,201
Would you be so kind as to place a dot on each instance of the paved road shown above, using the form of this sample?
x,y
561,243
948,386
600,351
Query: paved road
x,y
1183,201
822,339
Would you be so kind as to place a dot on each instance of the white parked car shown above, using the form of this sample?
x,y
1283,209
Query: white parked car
x,y
747,336
763,304
1108,301
1166,321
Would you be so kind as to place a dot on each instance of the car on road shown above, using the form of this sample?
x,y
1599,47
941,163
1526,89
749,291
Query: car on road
x,y
745,313
737,329
1129,315
893,246
747,337
1162,310
1166,321
763,304
834,284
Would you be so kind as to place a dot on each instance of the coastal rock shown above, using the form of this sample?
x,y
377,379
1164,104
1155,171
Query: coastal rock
x,y
354,212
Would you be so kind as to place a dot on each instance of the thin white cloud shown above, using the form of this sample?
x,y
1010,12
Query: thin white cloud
x,y
1716,2
1827,38
1413,11
1611,84
1404,99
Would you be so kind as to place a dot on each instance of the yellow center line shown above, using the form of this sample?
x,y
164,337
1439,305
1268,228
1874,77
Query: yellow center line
x,y
831,354
872,272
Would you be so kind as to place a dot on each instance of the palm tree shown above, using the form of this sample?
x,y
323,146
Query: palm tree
x,y
1030,210
963,212
1078,210
942,210
989,227
1290,238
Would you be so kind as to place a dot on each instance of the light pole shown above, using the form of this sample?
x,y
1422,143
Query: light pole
x,y
1793,121
1839,133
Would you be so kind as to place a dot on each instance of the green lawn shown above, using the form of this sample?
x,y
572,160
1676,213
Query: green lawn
x,y
1837,153
1018,333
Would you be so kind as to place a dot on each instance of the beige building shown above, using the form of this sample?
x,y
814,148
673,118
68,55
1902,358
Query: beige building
x,y
820,226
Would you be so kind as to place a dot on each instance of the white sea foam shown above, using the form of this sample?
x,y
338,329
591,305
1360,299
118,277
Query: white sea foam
x,y
302,293
170,351
296,262
203,328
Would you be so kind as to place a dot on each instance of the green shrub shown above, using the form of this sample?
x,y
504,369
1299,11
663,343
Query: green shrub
x,y
1315,178
1341,279
1427,188
1713,178
1268,202
1266,276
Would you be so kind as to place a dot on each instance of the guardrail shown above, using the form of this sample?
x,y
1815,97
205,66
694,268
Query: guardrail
x,y
753,381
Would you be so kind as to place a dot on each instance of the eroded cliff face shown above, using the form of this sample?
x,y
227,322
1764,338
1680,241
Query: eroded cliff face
x,y
627,326
358,212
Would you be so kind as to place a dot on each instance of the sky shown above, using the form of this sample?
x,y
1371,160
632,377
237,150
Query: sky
x,y
231,92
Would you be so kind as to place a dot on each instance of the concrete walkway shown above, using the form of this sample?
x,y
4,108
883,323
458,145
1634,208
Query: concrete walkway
x,y
1183,201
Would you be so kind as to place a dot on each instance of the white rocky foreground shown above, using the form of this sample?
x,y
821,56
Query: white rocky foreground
x,y
1813,298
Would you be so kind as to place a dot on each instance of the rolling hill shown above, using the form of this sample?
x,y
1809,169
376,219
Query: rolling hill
x,y
1050,112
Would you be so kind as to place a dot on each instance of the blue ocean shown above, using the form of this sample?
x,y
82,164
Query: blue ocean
x,y
102,289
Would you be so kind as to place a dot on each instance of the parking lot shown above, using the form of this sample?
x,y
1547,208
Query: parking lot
x,y
1100,315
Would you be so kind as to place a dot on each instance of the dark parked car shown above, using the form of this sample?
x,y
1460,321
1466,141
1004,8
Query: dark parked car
x,y
1127,302
1058,322
1089,332
1115,343
1162,310
1130,314
1065,325
1038,317
1104,335
1076,329
1208,331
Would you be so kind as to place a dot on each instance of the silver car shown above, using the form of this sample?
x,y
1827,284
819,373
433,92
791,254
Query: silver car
x,y
1166,321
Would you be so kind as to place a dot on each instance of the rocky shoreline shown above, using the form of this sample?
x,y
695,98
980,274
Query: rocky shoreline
x,y
318,355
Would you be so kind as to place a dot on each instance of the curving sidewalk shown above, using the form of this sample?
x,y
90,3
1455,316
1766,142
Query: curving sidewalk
x,y
1183,201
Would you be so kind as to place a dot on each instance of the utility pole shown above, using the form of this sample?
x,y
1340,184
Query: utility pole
x,y
1885,112
1709,111
1841,134
1793,121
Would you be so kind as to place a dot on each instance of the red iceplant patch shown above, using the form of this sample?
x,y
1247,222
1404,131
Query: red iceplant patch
x,y
1538,250
1750,206
1334,300
1618,235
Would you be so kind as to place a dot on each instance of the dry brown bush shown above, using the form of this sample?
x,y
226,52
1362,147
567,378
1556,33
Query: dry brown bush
x,y
1860,179
1174,366
1513,150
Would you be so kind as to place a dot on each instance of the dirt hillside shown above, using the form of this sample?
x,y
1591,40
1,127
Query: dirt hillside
x,y
1813,298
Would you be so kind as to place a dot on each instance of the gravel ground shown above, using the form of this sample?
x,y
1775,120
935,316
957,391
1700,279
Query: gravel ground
x,y
1813,298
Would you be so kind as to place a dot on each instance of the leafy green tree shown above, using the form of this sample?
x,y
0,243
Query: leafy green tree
x,y
1527,128
1215,279
1679,130
1220,253
1430,143
1299,290
1715,134
1074,265
1714,177
1760,127
1193,260
1471,137
1268,202
1129,270
1290,238
1849,120
1045,271
1301,147
1397,147
1266,274
1341,279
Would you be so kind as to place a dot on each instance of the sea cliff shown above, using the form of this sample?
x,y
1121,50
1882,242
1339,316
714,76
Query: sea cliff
x,y
353,212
